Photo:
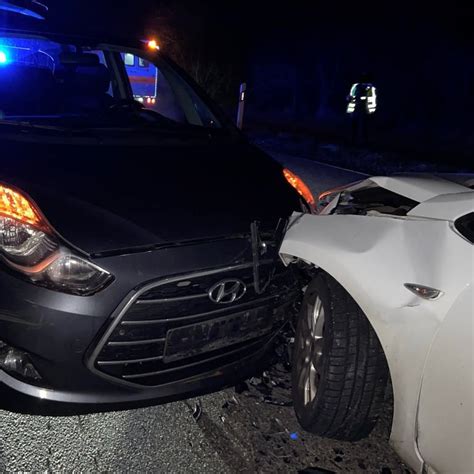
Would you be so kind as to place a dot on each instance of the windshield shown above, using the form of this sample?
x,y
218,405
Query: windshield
x,y
44,82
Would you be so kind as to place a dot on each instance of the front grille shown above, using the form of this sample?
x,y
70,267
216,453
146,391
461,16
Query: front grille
x,y
134,348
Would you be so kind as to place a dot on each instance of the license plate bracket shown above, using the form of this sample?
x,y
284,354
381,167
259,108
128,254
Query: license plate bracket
x,y
208,336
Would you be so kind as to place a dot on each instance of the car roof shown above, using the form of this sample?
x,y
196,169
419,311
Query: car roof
x,y
11,23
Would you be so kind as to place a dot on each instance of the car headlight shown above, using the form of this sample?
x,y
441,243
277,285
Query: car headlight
x,y
30,246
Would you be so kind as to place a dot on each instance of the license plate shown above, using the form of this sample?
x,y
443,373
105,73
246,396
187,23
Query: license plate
x,y
189,341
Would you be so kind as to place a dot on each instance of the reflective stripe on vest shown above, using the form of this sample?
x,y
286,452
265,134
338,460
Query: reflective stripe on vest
x,y
370,99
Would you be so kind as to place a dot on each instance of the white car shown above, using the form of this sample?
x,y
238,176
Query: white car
x,y
391,296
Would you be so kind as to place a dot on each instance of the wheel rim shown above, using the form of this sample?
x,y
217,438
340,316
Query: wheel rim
x,y
311,351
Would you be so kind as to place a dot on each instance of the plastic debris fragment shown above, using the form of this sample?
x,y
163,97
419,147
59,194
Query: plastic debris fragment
x,y
197,411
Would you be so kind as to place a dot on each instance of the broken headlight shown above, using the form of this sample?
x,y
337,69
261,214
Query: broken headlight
x,y
29,246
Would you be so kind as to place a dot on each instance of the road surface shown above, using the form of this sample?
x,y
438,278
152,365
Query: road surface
x,y
235,432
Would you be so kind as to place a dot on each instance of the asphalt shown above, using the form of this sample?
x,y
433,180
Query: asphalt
x,y
251,431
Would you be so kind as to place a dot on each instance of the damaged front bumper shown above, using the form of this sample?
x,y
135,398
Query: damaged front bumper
x,y
164,340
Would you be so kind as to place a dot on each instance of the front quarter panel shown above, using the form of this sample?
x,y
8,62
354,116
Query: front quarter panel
x,y
372,257
446,419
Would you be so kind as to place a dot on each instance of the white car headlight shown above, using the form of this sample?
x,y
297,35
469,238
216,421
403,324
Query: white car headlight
x,y
24,245
29,245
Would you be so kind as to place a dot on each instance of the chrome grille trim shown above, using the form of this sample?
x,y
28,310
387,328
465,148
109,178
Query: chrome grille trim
x,y
171,300
130,300
235,308
135,343
128,361
149,374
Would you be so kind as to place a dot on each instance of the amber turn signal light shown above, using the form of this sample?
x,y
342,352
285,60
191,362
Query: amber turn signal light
x,y
300,187
16,206
153,44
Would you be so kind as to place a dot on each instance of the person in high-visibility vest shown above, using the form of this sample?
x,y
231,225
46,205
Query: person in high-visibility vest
x,y
362,102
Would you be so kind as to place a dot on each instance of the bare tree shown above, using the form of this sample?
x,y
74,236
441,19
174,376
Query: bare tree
x,y
180,31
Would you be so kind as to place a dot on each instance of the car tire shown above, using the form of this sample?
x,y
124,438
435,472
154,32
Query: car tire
x,y
340,372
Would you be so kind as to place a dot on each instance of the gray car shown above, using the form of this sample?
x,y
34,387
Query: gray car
x,y
139,230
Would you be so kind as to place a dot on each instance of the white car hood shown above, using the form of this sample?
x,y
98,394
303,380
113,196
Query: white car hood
x,y
438,198
446,206
419,188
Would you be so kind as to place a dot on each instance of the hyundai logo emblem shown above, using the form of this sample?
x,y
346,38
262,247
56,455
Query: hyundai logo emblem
x,y
227,291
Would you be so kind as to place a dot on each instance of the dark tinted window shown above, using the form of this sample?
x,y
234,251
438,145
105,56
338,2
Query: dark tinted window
x,y
465,226
49,82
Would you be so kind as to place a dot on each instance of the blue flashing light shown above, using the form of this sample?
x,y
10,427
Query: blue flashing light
x,y
3,58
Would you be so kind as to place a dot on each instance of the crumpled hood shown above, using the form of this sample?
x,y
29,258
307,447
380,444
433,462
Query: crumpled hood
x,y
419,187
109,197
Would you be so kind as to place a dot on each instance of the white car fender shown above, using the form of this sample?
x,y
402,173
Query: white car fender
x,y
373,257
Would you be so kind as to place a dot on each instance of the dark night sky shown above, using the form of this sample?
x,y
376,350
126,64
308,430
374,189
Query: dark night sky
x,y
408,44
234,27
258,18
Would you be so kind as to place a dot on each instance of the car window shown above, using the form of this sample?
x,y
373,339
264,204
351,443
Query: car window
x,y
129,59
465,226
28,76
162,91
75,84
152,89
29,53
101,55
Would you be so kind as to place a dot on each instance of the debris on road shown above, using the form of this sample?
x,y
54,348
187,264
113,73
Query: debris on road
x,y
196,410
260,427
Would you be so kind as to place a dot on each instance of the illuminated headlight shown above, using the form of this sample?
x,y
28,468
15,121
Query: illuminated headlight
x,y
30,246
